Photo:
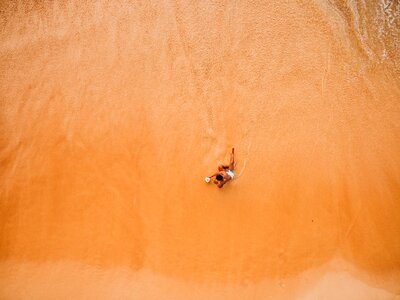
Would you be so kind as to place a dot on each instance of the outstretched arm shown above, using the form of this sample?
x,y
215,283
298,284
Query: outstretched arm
x,y
215,174
232,162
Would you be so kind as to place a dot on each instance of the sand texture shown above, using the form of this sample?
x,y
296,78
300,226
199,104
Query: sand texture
x,y
113,112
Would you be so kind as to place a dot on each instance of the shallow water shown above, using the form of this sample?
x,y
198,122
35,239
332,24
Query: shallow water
x,y
113,113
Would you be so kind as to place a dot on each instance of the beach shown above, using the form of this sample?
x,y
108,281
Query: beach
x,y
112,113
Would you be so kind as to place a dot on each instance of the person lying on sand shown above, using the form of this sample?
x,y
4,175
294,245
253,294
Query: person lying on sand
x,y
225,172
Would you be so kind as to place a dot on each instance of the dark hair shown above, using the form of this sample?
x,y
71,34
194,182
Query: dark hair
x,y
219,177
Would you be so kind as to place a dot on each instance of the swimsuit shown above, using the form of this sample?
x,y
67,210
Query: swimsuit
x,y
230,173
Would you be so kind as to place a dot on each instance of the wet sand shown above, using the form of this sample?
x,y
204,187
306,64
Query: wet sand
x,y
113,113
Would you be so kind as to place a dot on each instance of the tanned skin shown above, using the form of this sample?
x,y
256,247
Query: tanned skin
x,y
222,171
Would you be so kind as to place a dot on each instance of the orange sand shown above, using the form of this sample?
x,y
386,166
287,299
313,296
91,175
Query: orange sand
x,y
112,114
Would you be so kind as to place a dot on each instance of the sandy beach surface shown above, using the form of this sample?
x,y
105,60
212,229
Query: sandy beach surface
x,y
113,112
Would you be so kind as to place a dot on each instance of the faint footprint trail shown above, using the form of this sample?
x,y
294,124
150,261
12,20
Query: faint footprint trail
x,y
194,70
